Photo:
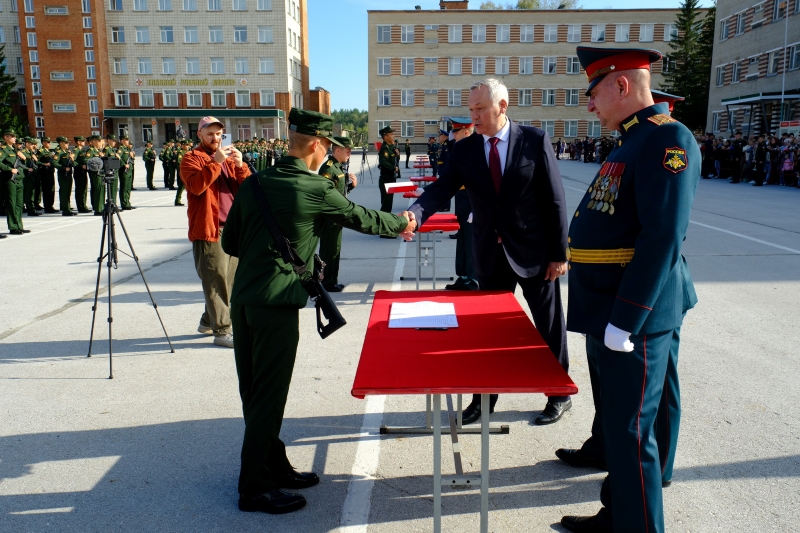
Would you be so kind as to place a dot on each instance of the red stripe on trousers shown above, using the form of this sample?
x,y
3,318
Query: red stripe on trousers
x,y
639,436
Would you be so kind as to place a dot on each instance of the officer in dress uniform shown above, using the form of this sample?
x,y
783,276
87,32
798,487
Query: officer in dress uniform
x,y
81,174
126,161
330,240
47,175
629,286
64,162
267,296
387,163
433,155
149,157
11,179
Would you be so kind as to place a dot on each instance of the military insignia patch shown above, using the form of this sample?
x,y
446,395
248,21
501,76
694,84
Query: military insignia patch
x,y
675,160
659,120
606,187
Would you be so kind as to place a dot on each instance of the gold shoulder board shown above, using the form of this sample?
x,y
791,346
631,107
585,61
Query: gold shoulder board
x,y
659,120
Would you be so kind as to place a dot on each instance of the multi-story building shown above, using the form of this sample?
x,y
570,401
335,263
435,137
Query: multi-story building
x,y
755,66
422,63
150,67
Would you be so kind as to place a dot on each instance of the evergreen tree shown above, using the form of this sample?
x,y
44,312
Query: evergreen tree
x,y
689,63
8,95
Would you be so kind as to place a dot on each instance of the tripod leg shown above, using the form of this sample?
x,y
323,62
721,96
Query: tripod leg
x,y
112,260
97,284
146,286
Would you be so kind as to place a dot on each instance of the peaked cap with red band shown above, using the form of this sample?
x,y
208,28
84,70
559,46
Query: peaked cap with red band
x,y
598,62
661,96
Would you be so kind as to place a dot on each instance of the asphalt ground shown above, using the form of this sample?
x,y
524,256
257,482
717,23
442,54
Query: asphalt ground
x,y
157,447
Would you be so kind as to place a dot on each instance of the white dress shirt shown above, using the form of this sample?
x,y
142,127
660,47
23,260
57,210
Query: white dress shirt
x,y
502,145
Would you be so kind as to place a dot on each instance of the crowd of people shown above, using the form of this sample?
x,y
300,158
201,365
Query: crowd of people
x,y
589,149
758,160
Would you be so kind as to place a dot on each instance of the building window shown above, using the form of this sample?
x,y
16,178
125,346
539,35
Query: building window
x,y
28,6
454,66
170,97
92,89
384,97
215,5
117,34
122,99
264,5
671,32
266,65
23,98
92,106
501,65
120,65
570,128
479,65
525,97
243,130
33,56
36,86
503,33
716,120
668,64
64,108
217,65
265,34
145,65
526,65
240,5
142,34
479,33
167,35
243,98
384,124
242,65
190,5
778,11
646,33
407,66
37,106
551,33
454,33
548,97
571,97
384,34
599,33
218,98
35,72
573,65
773,62
88,40
723,30
59,45
20,67
407,33
115,5
30,22
16,35
190,34
215,34
89,56
165,5
87,23
526,33
574,33
407,97
140,5
407,128
267,98
794,54
32,40
384,66
90,72
549,65
737,72
168,65
550,127
720,76
454,97
95,123
192,65
240,34
39,124
194,98
146,98
56,10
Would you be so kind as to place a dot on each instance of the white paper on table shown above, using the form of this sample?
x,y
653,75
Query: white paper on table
x,y
391,186
423,315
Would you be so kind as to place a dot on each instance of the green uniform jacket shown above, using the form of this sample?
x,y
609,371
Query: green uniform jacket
x,y
8,155
386,158
300,201
124,154
61,159
149,155
332,170
44,156
641,198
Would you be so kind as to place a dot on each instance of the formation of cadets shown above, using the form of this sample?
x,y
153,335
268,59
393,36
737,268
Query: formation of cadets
x,y
30,167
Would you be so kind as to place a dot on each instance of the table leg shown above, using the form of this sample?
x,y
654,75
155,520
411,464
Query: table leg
x,y
433,260
484,464
460,418
428,411
437,463
419,258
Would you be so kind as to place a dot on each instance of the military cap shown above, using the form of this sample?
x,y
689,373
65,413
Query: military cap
x,y
312,123
661,96
61,139
443,132
148,141
10,132
460,123
79,138
125,137
30,140
598,62
111,137
346,142
384,131
45,139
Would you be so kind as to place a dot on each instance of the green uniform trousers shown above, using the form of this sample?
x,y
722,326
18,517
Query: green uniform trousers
x,y
165,167
181,188
64,189
47,180
81,176
330,249
150,167
265,346
170,180
13,200
98,193
3,192
125,186
29,182
386,198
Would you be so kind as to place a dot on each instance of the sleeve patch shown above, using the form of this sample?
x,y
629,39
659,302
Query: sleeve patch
x,y
675,160
659,120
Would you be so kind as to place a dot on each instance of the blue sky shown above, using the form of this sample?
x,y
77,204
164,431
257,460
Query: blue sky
x,y
337,34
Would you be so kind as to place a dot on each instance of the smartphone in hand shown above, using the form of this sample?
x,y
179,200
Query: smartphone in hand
x,y
226,140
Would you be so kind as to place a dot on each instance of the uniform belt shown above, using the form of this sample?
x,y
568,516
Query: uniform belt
x,y
620,255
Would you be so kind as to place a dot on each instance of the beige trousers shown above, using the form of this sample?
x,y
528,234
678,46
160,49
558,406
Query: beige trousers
x,y
216,270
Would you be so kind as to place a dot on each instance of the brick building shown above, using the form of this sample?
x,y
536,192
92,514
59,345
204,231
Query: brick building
x,y
148,67
755,66
422,63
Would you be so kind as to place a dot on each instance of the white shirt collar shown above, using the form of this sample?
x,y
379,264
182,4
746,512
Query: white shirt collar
x,y
503,134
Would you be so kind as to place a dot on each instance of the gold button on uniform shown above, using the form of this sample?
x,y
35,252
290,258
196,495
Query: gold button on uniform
x,y
577,213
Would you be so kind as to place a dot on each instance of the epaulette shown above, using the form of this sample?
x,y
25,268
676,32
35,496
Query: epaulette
x,y
329,163
661,119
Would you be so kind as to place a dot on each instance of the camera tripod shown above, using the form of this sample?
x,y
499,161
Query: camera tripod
x,y
365,162
109,237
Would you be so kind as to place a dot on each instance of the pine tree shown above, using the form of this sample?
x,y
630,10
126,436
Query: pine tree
x,y
8,95
689,64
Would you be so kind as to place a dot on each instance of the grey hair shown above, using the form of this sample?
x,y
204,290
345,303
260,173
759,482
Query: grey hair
x,y
497,89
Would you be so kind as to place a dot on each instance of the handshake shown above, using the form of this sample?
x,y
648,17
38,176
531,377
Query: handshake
x,y
408,233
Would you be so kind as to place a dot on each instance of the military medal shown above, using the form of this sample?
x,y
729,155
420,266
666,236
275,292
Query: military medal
x,y
606,187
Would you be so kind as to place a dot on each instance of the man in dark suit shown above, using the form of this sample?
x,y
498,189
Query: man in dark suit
x,y
519,229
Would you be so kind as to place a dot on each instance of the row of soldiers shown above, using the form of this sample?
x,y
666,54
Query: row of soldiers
x,y
261,153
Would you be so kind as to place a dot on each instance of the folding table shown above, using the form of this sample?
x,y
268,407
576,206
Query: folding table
x,y
421,164
492,328
439,222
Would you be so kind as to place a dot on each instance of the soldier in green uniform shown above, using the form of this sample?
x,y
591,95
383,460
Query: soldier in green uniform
x,y
112,151
267,296
81,175
64,162
629,285
47,179
330,240
387,163
149,158
11,180
180,151
98,186
126,161
170,157
31,176
162,156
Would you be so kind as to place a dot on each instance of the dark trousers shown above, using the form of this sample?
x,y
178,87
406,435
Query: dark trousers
x,y
30,183
544,301
171,175
81,188
125,186
165,167
64,189
386,198
265,345
434,166
150,167
181,188
47,181
330,249
464,237
408,156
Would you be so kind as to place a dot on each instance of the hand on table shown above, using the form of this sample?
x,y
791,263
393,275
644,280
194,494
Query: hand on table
x,y
617,340
555,269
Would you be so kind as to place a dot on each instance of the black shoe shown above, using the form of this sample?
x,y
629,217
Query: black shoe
x,y
179,204
128,208
33,214
298,480
3,236
69,214
665,484
152,188
173,188
51,211
458,285
134,188
581,459
98,213
272,502
586,524
454,235
84,211
553,412
472,413
387,237
334,288
15,232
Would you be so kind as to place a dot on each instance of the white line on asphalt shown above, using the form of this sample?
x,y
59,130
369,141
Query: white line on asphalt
x,y
355,511
765,243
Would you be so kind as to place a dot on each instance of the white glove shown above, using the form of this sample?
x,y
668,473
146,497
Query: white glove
x,y
618,340
469,218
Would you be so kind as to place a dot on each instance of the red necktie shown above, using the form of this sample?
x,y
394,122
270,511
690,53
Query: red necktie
x,y
494,163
